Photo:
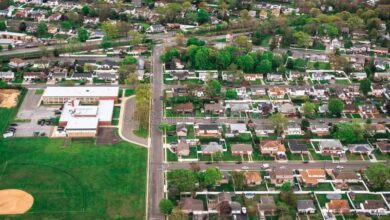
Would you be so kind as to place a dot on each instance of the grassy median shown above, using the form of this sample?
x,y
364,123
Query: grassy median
x,y
76,181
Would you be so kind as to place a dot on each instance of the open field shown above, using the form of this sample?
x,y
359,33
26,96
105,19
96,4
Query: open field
x,y
79,181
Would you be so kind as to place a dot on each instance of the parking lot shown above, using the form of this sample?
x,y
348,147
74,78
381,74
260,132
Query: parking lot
x,y
32,112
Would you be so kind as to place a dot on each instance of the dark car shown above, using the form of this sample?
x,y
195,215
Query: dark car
x,y
11,129
209,162
238,162
13,124
305,161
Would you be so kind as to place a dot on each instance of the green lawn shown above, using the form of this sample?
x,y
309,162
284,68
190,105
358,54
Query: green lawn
x,y
80,181
141,132
117,112
129,92
361,197
319,187
39,91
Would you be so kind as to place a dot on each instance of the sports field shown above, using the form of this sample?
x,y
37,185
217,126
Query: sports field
x,y
79,181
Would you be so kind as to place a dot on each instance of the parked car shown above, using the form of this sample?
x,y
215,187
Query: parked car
x,y
13,125
245,168
8,134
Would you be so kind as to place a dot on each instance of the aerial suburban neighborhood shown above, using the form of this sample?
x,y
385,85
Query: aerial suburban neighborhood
x,y
195,109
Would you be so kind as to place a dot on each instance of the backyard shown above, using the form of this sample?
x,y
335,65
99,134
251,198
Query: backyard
x,y
78,180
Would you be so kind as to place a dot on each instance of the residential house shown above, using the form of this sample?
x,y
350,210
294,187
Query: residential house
x,y
207,130
368,109
360,148
252,178
383,146
30,76
191,206
180,74
184,108
331,147
272,147
223,199
263,14
203,74
253,77
264,129
294,129
298,91
7,76
381,65
338,206
183,148
298,147
266,207
258,92
359,47
374,207
238,107
287,109
383,51
17,63
321,76
241,149
345,177
274,77
265,108
211,148
359,75
377,90
378,128
181,130
381,76
311,177
350,108
214,108
279,176
320,129
277,92
237,129
319,91
155,28
306,206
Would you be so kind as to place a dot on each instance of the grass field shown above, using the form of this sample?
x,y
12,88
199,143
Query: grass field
x,y
80,181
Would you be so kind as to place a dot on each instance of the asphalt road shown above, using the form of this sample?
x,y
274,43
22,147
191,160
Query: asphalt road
x,y
156,153
129,125
350,165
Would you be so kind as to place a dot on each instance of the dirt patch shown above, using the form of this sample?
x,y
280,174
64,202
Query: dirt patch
x,y
9,98
14,201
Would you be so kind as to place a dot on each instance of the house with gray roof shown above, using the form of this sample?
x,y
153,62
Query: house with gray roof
x,y
306,206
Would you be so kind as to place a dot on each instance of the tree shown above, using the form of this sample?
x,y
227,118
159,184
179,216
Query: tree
x,y
195,41
257,38
305,124
142,105
178,214
132,79
82,34
213,89
85,10
110,30
135,37
212,176
42,30
231,94
22,26
66,25
223,59
246,63
264,67
349,132
335,106
165,206
309,109
182,179
302,39
279,122
238,180
387,107
365,86
203,16
243,42
10,47
3,26
378,175
217,156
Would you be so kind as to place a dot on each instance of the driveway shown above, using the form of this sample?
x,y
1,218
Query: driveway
x,y
30,110
128,125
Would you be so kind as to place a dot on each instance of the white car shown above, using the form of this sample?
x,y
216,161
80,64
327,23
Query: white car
x,y
340,167
243,210
245,168
8,134
265,166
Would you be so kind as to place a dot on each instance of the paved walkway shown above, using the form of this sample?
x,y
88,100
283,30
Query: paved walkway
x,y
127,125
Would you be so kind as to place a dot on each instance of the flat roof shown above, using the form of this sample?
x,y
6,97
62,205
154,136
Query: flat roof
x,y
84,123
103,111
81,91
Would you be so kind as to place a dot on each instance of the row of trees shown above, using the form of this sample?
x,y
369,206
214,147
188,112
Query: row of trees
x,y
142,105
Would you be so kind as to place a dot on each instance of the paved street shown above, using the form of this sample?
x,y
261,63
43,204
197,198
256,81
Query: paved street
x,y
128,124
156,174
350,165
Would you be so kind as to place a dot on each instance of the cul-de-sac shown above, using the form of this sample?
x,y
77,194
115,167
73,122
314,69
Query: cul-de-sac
x,y
195,109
